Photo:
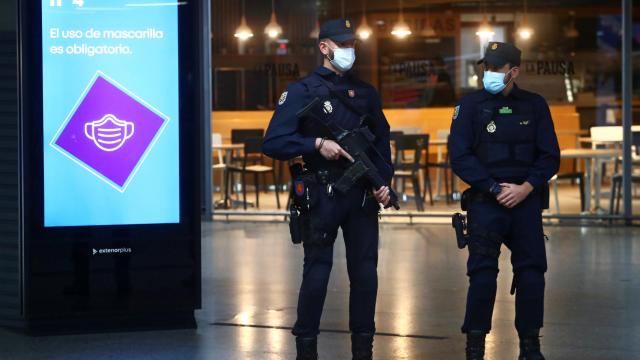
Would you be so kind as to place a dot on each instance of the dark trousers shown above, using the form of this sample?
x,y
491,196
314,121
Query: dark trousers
x,y
521,231
359,222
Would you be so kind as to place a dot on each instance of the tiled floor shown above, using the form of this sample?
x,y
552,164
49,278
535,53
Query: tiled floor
x,y
251,276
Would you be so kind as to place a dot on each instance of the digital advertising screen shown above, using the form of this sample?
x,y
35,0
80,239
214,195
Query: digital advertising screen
x,y
110,112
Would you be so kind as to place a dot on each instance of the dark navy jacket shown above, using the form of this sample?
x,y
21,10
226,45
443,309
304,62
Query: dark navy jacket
x,y
515,143
288,136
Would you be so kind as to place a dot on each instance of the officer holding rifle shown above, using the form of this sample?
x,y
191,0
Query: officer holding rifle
x,y
335,122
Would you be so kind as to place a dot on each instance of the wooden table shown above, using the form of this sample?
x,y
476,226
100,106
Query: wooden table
x,y
594,143
227,147
228,150
592,159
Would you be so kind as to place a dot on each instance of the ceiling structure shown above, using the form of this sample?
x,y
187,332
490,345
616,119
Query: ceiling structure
x,y
478,5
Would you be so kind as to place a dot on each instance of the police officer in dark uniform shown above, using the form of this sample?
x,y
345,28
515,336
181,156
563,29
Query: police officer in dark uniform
x,y
356,211
503,144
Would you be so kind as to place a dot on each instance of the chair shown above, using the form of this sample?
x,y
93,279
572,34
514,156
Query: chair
x,y
216,140
410,169
395,135
409,130
251,164
616,191
444,166
573,176
601,134
616,180
606,136
393,139
635,149
427,174
238,136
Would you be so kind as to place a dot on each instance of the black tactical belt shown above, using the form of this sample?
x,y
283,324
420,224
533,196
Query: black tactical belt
x,y
470,196
483,197
328,176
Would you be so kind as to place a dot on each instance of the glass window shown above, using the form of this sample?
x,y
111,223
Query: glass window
x,y
571,56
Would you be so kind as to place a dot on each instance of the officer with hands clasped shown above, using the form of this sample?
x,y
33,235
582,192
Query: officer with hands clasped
x,y
503,144
351,104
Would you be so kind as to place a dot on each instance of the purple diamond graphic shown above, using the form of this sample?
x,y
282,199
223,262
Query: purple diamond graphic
x,y
110,131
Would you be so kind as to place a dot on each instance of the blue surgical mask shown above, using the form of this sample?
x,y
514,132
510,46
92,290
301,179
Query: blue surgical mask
x,y
343,58
494,81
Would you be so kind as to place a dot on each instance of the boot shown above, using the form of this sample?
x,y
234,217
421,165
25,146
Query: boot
x,y
530,346
362,346
475,345
307,348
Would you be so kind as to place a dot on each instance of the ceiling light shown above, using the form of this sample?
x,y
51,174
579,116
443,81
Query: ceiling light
x,y
364,31
401,30
273,30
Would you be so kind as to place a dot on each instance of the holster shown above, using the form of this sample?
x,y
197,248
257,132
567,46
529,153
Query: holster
x,y
299,211
299,225
544,197
466,231
307,188
460,225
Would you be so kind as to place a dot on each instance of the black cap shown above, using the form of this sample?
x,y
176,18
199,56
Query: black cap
x,y
499,53
337,30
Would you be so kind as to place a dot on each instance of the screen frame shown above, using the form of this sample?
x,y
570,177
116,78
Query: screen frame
x,y
185,233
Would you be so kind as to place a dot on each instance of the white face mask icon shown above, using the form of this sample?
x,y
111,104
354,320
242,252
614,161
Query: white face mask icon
x,y
109,133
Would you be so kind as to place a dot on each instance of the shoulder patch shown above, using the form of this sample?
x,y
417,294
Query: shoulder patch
x,y
283,98
456,111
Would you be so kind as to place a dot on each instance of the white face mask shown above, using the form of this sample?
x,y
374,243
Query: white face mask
x,y
343,58
109,133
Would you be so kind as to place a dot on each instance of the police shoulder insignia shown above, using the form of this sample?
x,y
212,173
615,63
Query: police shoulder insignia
x,y
491,127
328,108
456,111
283,98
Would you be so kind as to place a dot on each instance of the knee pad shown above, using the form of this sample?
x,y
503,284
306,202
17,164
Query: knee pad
x,y
484,283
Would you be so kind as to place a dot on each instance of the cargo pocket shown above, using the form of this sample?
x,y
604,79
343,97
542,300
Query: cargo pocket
x,y
323,226
370,206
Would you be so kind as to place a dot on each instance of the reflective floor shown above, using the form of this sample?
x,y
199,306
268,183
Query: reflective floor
x,y
567,202
252,273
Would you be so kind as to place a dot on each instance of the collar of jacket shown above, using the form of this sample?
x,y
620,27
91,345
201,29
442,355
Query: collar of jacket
x,y
516,93
330,75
